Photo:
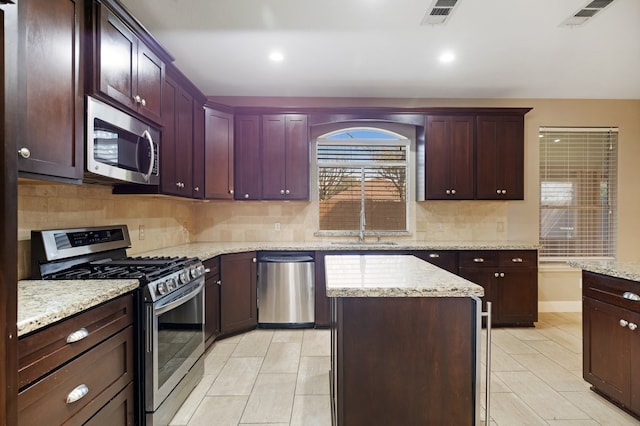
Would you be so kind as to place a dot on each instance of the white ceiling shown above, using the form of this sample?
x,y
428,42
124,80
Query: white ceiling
x,y
377,48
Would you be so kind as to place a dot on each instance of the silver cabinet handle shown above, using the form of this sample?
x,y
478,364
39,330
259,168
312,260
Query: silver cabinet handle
x,y
246,195
231,191
24,152
631,296
623,323
632,326
143,102
219,282
254,260
504,191
207,270
501,274
453,192
478,259
197,189
497,191
517,260
495,274
77,335
434,255
137,99
448,192
77,394
287,192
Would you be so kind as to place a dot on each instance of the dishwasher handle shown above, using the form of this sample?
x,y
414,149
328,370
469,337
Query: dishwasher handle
x,y
285,259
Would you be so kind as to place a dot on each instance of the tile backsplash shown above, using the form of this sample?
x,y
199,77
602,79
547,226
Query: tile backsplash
x,y
170,221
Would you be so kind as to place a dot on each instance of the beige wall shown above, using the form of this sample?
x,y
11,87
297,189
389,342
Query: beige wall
x,y
169,220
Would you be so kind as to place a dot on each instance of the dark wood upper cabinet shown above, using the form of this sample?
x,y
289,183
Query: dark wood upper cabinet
x,y
500,158
449,158
176,156
285,157
247,158
218,154
127,71
51,89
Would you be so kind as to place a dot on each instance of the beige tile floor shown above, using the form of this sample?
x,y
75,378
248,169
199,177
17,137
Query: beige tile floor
x,y
279,377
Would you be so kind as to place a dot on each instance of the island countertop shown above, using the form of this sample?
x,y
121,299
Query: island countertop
x,y
625,270
43,302
393,276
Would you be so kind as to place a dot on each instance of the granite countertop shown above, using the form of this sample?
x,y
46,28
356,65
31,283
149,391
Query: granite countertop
x,y
626,270
43,302
207,250
393,276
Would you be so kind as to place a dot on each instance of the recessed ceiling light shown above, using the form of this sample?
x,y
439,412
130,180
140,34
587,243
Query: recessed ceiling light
x,y
276,56
556,140
447,57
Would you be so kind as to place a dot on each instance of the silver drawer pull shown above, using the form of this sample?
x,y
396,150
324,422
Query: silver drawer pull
x,y
623,323
517,260
434,255
478,259
632,326
77,335
78,393
631,296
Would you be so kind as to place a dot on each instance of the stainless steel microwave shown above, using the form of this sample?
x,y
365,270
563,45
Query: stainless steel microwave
x,y
119,146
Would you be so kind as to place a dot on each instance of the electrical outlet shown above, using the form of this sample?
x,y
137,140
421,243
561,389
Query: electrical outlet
x,y
500,226
141,232
277,226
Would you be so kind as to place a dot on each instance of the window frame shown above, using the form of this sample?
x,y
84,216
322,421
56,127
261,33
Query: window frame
x,y
403,133
584,207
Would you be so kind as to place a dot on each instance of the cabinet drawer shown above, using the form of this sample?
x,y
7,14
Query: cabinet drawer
x,y
611,290
447,260
213,265
104,370
45,350
518,258
477,259
119,411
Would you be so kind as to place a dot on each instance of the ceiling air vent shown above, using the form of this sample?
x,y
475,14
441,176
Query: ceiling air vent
x,y
439,12
583,15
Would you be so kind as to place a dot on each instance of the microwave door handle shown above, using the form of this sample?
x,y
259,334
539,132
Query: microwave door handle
x,y
147,136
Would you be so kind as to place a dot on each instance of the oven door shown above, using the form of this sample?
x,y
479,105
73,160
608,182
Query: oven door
x,y
119,146
174,340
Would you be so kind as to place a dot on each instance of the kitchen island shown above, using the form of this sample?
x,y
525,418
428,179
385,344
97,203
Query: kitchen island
x,y
404,342
611,339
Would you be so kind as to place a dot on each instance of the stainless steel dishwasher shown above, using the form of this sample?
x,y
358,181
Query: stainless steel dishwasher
x,y
286,288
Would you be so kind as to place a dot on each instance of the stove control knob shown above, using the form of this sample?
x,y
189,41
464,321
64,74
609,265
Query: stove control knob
x,y
162,288
192,272
172,284
184,277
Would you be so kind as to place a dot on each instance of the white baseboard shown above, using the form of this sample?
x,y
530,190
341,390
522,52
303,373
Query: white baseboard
x,y
560,306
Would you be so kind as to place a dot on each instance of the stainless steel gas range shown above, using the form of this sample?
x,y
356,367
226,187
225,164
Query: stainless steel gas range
x,y
170,311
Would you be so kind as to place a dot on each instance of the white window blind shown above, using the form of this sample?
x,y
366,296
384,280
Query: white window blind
x,y
578,186
362,181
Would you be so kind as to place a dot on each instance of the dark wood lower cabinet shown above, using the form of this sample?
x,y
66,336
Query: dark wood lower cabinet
x,y
238,292
404,361
101,365
212,301
611,339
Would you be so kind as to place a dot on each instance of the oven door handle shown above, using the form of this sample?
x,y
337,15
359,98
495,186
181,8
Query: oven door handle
x,y
159,310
